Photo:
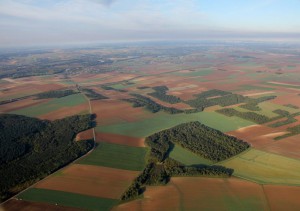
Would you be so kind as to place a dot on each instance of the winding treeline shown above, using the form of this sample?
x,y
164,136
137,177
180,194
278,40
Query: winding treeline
x,y
55,94
107,87
292,131
92,94
161,94
31,149
194,136
251,116
252,104
215,97
142,101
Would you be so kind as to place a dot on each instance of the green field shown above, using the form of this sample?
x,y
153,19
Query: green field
x,y
267,109
52,105
67,199
253,87
187,157
117,156
122,86
265,168
162,121
200,72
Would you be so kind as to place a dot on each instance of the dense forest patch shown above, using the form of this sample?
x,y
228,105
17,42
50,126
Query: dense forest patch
x,y
55,94
31,149
251,116
215,97
194,136
161,94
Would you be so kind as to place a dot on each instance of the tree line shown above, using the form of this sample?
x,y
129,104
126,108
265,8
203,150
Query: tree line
x,y
142,101
55,94
91,94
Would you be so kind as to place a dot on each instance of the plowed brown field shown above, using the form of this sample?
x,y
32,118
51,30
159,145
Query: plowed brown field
x,y
283,197
66,111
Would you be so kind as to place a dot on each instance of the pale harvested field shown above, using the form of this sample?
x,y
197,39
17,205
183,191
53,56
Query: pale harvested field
x,y
196,193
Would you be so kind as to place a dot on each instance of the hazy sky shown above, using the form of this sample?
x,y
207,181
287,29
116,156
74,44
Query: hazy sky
x,y
67,21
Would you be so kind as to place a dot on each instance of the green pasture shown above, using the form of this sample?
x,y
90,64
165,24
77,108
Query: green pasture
x,y
161,121
265,168
198,72
187,157
52,105
116,156
67,199
248,87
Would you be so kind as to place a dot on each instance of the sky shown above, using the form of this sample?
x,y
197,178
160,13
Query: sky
x,y
46,22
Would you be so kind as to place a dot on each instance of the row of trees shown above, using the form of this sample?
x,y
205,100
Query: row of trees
x,y
92,94
107,87
44,147
55,94
251,116
142,101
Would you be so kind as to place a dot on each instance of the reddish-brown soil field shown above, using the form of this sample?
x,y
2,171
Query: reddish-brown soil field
x,y
84,78
111,138
256,135
84,135
21,104
30,88
17,205
90,180
196,193
120,139
283,197
114,111
66,111
289,147
293,99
